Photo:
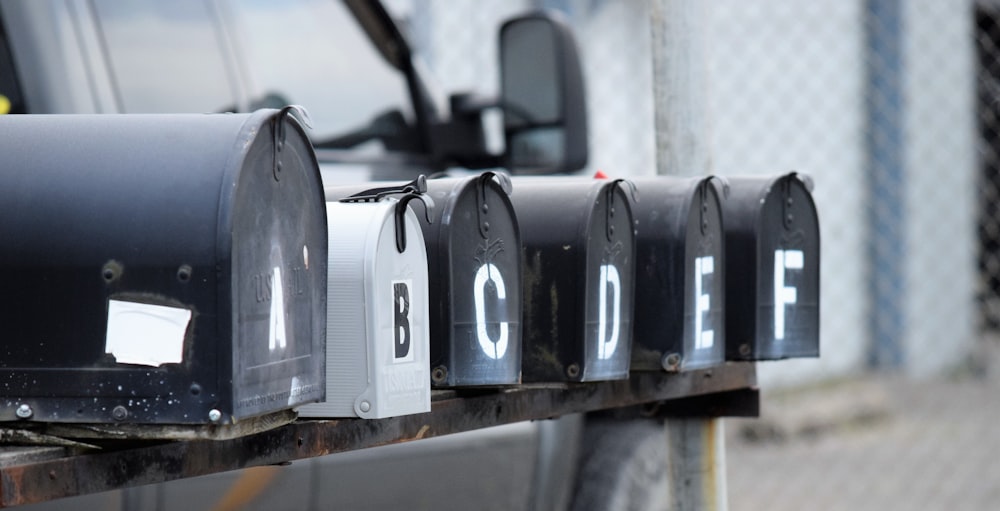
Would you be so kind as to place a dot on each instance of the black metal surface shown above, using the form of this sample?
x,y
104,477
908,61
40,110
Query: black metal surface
x,y
578,242
772,268
191,213
680,289
35,475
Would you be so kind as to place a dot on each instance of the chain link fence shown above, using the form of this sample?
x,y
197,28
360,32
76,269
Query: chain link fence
x,y
892,107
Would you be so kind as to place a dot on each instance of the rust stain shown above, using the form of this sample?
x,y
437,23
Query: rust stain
x,y
421,432
252,482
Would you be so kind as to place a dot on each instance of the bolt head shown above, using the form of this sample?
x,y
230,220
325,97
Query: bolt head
x,y
119,413
214,415
672,362
24,411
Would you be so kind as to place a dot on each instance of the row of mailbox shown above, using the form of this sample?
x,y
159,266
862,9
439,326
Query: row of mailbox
x,y
192,269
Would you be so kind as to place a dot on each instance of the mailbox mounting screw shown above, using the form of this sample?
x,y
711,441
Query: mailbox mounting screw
x,y
745,350
573,370
365,406
439,374
119,413
24,412
214,415
672,362
184,273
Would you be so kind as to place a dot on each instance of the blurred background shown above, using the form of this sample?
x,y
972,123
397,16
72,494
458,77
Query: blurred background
x,y
891,107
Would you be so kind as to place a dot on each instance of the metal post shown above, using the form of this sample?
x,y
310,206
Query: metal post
x,y
683,147
680,87
887,243
697,464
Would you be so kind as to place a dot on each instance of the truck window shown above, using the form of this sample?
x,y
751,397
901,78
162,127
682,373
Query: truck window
x,y
165,56
313,53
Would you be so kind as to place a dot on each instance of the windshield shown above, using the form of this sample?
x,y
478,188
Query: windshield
x,y
313,53
200,56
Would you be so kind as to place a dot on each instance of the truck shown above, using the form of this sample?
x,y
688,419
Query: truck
x,y
374,115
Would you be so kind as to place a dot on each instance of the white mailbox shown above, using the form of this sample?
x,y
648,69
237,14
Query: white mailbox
x,y
377,317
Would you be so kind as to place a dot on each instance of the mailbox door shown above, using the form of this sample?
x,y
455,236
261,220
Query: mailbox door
x,y
679,310
610,287
278,273
398,316
579,278
475,275
775,220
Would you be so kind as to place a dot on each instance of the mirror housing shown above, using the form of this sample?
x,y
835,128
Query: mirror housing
x,y
542,96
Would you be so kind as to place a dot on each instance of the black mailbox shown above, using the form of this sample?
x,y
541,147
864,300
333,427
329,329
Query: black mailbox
x,y
579,243
160,269
474,272
680,286
772,268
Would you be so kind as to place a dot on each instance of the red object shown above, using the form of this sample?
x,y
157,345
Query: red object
x,y
600,175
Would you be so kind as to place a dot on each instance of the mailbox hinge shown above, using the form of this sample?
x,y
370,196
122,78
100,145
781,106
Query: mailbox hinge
x,y
482,208
278,130
415,189
787,203
609,197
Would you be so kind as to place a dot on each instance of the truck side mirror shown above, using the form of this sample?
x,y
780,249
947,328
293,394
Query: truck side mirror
x,y
542,96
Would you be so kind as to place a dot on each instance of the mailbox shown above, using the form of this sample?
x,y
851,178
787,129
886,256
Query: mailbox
x,y
579,242
377,358
772,268
680,268
474,267
160,269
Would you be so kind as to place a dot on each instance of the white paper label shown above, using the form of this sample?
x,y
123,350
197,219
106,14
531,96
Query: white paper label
x,y
144,334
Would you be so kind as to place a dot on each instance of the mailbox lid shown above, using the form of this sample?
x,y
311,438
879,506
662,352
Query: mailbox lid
x,y
377,333
127,216
773,218
400,303
279,237
680,285
578,237
475,282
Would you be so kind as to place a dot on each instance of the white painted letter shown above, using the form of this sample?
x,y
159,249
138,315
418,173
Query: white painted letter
x,y
489,273
784,295
703,302
277,335
609,276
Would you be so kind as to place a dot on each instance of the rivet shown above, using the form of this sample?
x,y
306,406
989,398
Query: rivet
x,y
671,362
365,406
214,415
119,413
184,273
439,374
573,370
24,412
